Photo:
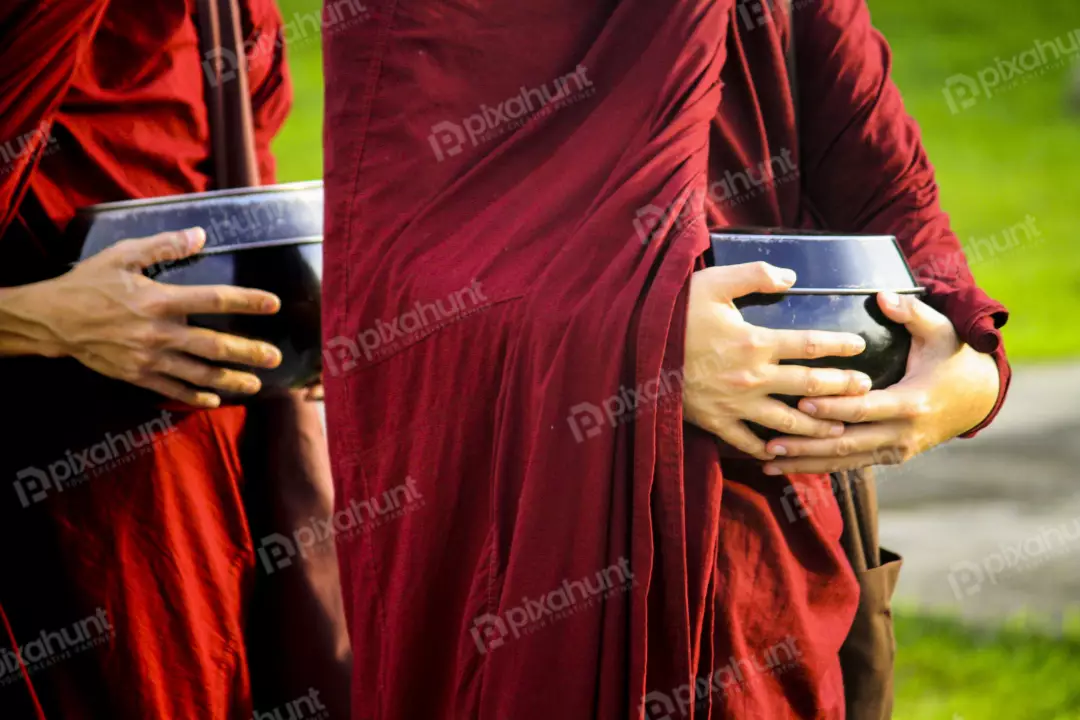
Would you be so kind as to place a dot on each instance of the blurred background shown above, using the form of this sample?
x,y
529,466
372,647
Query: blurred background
x,y
987,619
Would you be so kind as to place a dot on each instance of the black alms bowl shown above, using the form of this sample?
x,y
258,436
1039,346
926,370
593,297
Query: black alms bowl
x,y
269,238
839,277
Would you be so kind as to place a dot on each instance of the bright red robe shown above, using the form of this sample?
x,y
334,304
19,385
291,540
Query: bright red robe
x,y
493,175
155,535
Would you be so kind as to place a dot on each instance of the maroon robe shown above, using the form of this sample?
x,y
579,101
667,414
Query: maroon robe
x,y
513,215
126,587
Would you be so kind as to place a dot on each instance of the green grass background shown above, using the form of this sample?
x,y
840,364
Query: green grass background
x,y
1014,155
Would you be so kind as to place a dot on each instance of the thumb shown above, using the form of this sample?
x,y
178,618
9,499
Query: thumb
x,y
728,282
920,319
141,253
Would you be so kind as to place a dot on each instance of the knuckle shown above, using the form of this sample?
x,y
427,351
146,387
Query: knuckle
x,y
845,447
154,337
218,301
745,380
143,361
813,384
752,342
861,413
154,304
220,348
812,346
788,422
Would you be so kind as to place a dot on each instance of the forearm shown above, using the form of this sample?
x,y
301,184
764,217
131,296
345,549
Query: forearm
x,y
23,329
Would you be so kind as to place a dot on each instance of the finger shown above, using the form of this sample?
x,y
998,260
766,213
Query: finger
x,y
920,319
809,382
208,376
819,465
856,440
776,415
812,344
728,282
140,253
314,393
219,300
875,406
221,347
178,391
738,436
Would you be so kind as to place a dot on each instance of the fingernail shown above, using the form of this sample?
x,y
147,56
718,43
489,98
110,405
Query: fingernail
x,y
778,450
194,237
271,304
252,386
787,277
772,470
271,356
865,383
809,408
891,300
210,401
836,430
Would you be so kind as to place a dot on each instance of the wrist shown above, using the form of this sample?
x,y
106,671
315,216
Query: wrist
x,y
982,369
24,326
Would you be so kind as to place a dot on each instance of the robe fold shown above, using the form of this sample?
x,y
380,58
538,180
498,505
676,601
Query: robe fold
x,y
127,581
517,194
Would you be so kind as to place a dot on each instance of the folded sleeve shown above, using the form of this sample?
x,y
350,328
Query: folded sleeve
x,y
865,169
41,44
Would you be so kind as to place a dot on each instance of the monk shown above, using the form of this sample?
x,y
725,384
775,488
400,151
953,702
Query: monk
x,y
133,584
518,200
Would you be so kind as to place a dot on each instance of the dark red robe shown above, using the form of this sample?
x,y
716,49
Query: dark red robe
x,y
513,207
127,575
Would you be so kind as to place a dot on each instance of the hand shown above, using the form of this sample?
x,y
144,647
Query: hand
x,y
113,319
741,362
949,388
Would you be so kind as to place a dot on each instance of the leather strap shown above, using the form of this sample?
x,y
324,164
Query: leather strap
x,y
228,95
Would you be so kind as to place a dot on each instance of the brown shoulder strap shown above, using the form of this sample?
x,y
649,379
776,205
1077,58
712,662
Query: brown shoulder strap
x,y
228,96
